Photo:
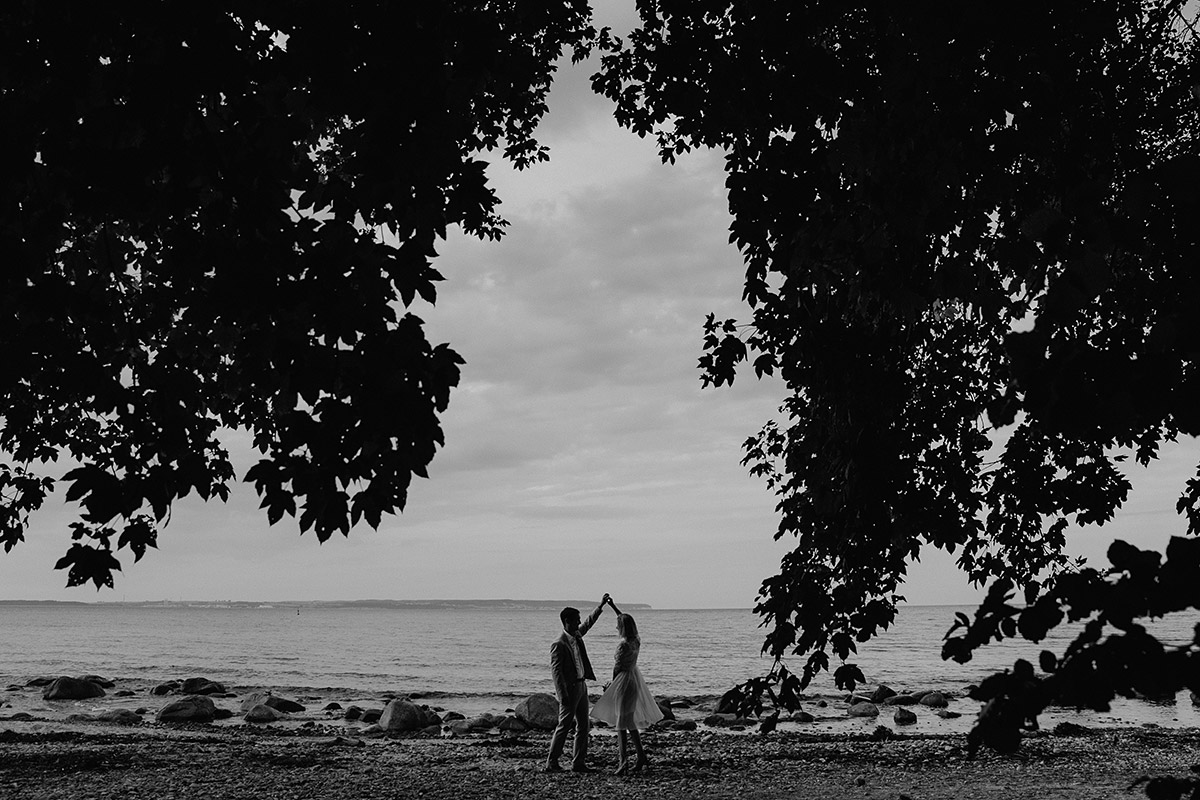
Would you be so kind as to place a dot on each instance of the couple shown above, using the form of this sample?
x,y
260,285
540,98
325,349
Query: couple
x,y
626,704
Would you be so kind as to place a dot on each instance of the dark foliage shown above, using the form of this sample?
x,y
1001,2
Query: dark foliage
x,y
216,217
972,256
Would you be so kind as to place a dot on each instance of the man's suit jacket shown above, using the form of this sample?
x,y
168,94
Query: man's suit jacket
x,y
562,661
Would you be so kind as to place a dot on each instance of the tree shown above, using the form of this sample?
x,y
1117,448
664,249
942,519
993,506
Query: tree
x,y
971,255
219,216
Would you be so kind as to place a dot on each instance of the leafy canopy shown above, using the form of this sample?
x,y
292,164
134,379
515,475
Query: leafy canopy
x,y
971,250
218,216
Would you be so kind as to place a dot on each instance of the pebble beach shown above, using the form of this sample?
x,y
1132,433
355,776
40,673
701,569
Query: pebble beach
x,y
61,749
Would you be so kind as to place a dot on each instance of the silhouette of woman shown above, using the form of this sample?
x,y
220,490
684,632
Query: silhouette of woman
x,y
627,703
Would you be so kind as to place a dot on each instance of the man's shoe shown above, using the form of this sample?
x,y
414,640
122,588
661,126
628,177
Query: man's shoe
x,y
582,770
552,767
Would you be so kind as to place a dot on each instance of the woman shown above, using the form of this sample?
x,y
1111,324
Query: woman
x,y
627,704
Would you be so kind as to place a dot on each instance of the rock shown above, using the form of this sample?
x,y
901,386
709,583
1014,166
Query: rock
x,y
683,725
12,687
119,716
268,699
124,693
901,700
863,710
801,716
103,683
201,686
459,727
80,718
881,733
332,707
222,713
934,700
402,715
1070,729
665,708
263,713
353,713
721,720
484,722
40,681
372,732
947,714
512,724
728,704
450,716
284,705
65,688
904,717
22,716
538,711
371,715
882,693
193,708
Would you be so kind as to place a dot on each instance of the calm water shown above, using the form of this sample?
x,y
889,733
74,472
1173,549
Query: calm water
x,y
481,657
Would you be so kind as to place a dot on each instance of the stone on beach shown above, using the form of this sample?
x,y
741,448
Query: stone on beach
x,y
202,686
65,688
934,700
538,711
119,716
268,699
195,708
882,693
263,713
403,715
904,717
863,709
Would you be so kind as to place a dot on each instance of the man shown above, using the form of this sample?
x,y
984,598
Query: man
x,y
571,670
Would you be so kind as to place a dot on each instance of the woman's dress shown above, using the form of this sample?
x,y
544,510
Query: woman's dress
x,y
627,703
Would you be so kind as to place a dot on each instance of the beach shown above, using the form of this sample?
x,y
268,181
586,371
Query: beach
x,y
173,763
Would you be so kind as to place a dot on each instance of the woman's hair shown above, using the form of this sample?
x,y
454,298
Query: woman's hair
x,y
628,628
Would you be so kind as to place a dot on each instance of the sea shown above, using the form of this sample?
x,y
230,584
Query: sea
x,y
486,659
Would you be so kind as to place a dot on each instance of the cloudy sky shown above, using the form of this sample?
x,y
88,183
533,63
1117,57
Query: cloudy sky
x,y
582,455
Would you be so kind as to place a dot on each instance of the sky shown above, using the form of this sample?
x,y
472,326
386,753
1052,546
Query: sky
x,y
582,455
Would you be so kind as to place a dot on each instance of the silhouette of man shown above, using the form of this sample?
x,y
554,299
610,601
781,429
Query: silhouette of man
x,y
571,670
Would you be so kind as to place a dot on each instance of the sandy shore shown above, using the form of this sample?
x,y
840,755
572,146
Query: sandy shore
x,y
157,762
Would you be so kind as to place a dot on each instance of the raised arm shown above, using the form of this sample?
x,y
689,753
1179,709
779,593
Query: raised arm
x,y
586,625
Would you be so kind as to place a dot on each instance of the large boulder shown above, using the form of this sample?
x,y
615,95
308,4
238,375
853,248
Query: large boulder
x,y
402,715
538,711
65,688
904,717
195,708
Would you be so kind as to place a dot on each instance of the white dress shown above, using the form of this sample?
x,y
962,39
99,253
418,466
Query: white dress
x,y
627,703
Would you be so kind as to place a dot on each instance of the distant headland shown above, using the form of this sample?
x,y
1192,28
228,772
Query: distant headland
x,y
414,604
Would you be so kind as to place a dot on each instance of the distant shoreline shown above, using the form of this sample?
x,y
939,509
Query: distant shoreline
x,y
400,604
